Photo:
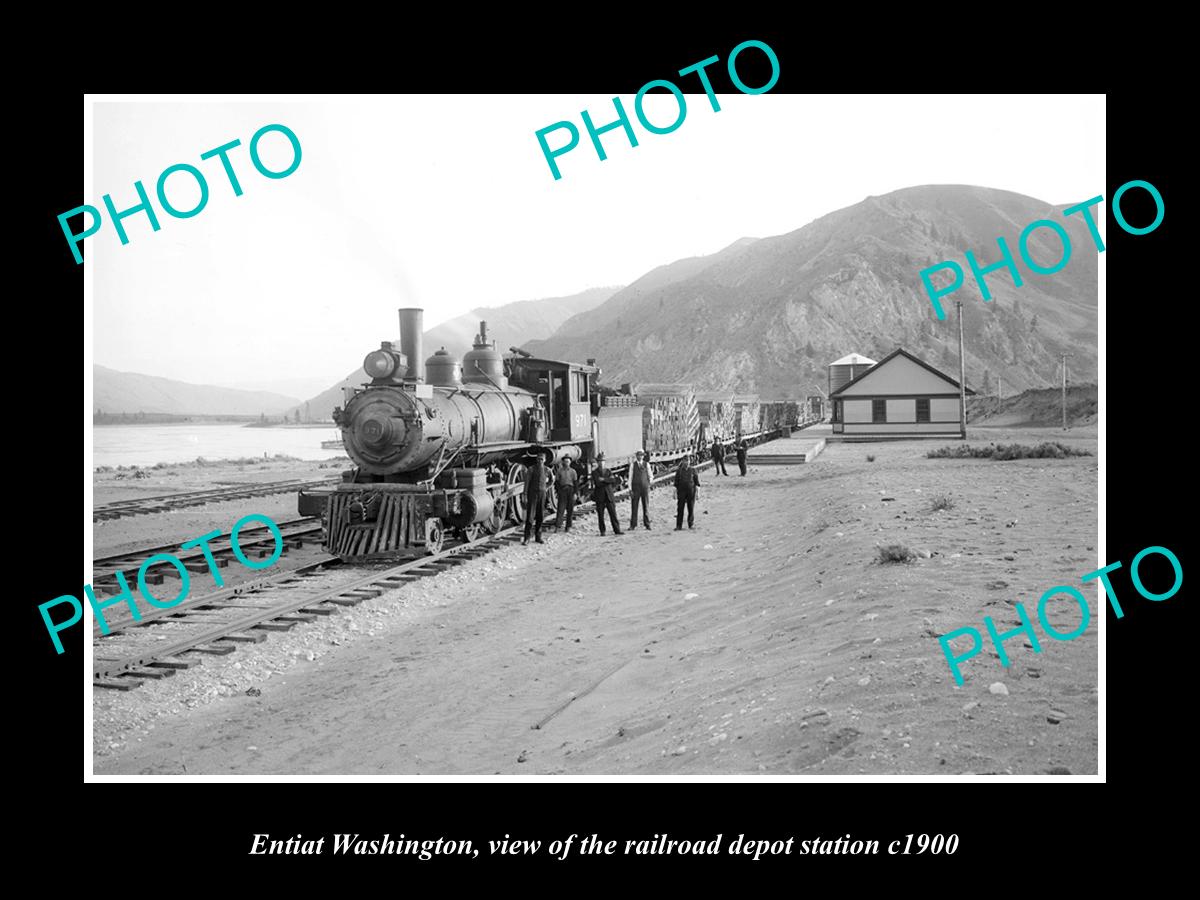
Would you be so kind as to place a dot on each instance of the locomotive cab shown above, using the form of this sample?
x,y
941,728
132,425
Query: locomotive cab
x,y
566,388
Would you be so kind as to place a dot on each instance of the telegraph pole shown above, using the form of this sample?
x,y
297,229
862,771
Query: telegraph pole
x,y
1000,379
1064,388
962,377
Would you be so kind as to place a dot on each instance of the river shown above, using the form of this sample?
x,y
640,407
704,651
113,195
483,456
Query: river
x,y
145,445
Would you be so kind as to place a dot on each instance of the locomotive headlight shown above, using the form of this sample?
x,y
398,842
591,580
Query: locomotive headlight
x,y
379,364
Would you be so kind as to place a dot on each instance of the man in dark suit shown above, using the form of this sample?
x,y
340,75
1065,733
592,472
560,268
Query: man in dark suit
x,y
718,457
686,483
604,486
537,479
639,490
740,447
564,489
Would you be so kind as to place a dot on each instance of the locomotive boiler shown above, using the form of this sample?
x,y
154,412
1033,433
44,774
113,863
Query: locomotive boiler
x,y
441,447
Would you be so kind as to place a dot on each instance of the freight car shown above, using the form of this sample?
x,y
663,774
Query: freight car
x,y
670,421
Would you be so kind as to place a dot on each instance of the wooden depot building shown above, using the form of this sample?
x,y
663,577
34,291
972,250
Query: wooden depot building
x,y
900,396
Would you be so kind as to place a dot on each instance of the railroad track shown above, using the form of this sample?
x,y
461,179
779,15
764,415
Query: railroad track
x,y
257,541
143,506
164,641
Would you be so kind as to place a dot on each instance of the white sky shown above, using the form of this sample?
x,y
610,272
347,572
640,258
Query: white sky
x,y
446,202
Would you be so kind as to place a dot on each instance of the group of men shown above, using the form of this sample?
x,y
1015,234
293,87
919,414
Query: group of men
x,y
563,479
718,455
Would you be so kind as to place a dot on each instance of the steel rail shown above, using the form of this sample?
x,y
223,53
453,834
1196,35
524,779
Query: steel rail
x,y
109,667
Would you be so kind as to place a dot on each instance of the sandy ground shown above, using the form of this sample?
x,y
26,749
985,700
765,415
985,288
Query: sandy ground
x,y
768,640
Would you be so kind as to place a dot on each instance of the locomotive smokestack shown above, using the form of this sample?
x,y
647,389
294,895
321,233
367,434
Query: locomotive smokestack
x,y
411,334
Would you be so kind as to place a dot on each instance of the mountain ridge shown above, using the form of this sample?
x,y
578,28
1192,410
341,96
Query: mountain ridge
x,y
768,317
116,392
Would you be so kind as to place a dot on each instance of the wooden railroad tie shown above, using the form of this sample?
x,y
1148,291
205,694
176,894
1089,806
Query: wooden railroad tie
x,y
115,685
274,626
175,662
346,601
212,649
244,638
148,673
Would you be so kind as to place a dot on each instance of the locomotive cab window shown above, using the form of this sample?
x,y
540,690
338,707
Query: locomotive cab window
x,y
581,387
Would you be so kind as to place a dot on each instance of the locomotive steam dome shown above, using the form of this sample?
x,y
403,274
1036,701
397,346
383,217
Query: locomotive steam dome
x,y
484,364
442,369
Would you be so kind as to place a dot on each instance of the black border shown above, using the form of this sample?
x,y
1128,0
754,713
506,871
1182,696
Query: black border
x,y
1147,683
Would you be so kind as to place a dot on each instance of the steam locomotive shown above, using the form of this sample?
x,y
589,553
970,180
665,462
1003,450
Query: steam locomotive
x,y
441,447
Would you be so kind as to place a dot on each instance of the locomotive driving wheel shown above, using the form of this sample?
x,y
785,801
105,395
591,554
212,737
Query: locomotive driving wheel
x,y
515,506
472,532
434,535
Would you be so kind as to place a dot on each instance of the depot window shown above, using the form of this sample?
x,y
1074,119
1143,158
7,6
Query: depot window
x,y
878,411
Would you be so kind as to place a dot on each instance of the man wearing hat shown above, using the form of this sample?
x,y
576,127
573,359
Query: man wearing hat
x,y
604,481
740,447
537,477
639,490
718,458
686,483
564,487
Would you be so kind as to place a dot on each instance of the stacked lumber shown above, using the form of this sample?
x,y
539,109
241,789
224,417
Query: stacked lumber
x,y
669,416
718,415
620,400
774,415
778,414
747,414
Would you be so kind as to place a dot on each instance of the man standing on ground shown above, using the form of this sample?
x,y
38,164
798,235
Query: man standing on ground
x,y
686,483
740,447
718,457
639,490
564,491
604,482
537,477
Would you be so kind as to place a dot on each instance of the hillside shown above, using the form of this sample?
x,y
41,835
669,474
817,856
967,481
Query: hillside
x,y
768,316
1036,407
128,392
509,325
